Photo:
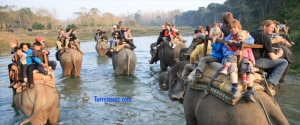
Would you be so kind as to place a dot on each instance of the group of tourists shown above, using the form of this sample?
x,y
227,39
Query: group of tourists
x,y
66,39
120,35
169,34
221,49
26,59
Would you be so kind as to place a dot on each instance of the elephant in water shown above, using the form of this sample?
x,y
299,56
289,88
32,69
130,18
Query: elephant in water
x,y
71,61
39,104
167,55
102,47
206,109
124,61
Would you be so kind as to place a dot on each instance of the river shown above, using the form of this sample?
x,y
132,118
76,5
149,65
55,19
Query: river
x,y
141,100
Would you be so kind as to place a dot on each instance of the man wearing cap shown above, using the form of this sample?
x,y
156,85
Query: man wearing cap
x,y
198,51
42,41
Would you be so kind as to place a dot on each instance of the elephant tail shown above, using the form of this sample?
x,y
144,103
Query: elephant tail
x,y
129,56
74,62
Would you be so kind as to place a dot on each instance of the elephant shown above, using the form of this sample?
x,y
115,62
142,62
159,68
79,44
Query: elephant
x,y
71,61
124,61
173,82
39,104
163,81
167,55
102,47
202,108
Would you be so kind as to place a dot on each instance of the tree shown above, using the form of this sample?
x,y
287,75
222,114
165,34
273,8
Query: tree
x,y
38,26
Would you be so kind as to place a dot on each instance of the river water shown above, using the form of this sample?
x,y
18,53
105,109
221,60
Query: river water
x,y
141,100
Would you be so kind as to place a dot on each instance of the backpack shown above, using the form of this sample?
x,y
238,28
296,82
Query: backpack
x,y
15,72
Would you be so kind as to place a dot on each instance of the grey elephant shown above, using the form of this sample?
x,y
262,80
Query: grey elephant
x,y
71,62
167,55
39,104
173,82
102,47
202,108
124,61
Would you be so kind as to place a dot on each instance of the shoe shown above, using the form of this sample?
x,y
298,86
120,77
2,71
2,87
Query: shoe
x,y
245,82
24,84
198,73
51,74
281,81
111,50
31,86
234,91
11,85
292,43
249,96
224,72
269,88
174,46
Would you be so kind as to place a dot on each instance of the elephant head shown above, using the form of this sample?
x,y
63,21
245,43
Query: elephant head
x,y
163,81
175,85
169,56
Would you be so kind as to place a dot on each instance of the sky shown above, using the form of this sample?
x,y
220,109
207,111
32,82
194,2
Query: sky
x,y
64,9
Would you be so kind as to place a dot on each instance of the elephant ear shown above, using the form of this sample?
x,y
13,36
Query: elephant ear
x,y
178,74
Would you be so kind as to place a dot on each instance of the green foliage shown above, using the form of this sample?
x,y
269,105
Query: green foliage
x,y
38,26
49,26
72,26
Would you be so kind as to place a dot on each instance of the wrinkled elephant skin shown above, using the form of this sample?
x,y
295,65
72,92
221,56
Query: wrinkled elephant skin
x,y
212,111
71,62
124,62
102,48
39,104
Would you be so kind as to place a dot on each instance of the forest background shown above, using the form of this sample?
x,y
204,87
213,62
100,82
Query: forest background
x,y
250,13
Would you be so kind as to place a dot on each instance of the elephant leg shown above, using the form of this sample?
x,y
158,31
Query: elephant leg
x,y
78,67
54,114
13,101
163,66
67,71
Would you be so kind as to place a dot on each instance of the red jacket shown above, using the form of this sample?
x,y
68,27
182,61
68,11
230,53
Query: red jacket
x,y
166,32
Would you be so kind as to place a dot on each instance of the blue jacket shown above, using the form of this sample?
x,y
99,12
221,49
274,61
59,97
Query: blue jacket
x,y
30,59
227,52
217,50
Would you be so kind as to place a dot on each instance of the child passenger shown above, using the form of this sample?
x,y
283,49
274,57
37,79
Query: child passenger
x,y
19,58
215,56
246,66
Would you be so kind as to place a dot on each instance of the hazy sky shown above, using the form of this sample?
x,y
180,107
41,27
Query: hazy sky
x,y
64,8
